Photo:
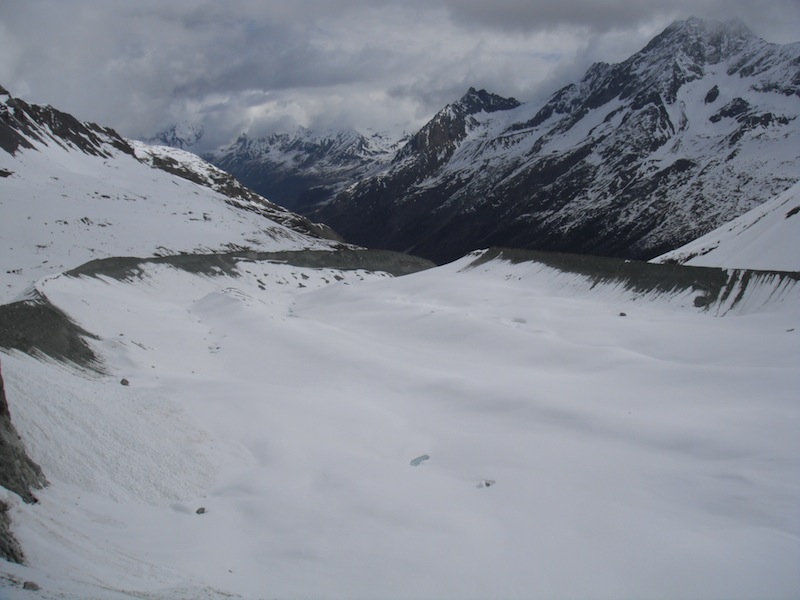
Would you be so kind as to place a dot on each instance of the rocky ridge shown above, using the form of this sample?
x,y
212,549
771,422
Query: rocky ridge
x,y
300,169
635,159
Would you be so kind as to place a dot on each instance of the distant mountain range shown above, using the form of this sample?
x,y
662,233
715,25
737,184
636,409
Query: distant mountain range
x,y
299,169
633,160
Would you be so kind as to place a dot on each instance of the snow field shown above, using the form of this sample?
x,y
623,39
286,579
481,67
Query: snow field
x,y
647,456
63,208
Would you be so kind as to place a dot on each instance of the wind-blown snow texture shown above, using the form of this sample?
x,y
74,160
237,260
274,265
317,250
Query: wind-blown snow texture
x,y
634,160
651,455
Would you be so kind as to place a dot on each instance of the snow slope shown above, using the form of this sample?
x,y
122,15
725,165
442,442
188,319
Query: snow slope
x,y
62,206
767,237
650,455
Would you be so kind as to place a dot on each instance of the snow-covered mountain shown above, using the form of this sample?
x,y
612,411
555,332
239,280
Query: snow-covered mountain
x,y
766,237
71,192
183,136
210,402
635,159
302,168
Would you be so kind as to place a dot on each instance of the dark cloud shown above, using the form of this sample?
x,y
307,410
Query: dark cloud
x,y
262,64
777,20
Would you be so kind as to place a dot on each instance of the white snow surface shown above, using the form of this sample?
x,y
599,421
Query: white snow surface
x,y
767,237
61,208
651,455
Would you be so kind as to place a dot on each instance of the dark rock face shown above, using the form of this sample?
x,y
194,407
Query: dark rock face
x,y
9,547
635,159
38,328
18,473
712,95
21,122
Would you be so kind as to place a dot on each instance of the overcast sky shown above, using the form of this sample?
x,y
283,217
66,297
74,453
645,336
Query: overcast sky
x,y
265,65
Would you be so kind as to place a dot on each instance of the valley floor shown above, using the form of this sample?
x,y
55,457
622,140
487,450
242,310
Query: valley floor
x,y
583,442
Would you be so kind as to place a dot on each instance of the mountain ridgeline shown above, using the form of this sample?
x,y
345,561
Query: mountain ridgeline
x,y
301,169
633,160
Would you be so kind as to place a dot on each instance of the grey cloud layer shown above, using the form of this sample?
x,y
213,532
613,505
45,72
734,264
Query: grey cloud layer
x,y
776,17
257,65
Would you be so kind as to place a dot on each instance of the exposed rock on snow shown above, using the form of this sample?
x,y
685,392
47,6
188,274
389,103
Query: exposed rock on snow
x,y
9,547
766,237
394,263
38,328
18,473
634,160
716,290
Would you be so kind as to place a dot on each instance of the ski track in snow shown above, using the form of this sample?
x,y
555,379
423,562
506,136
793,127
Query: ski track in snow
x,y
653,455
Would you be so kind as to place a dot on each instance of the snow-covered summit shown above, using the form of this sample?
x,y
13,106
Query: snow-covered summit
x,y
183,135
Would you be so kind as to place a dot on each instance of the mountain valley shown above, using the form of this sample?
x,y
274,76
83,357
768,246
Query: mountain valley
x,y
205,395
633,160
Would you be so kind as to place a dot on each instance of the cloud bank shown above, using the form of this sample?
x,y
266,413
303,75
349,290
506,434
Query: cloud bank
x,y
260,66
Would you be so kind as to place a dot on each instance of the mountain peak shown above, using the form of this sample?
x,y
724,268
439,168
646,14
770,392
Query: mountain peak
x,y
704,41
475,101
182,135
